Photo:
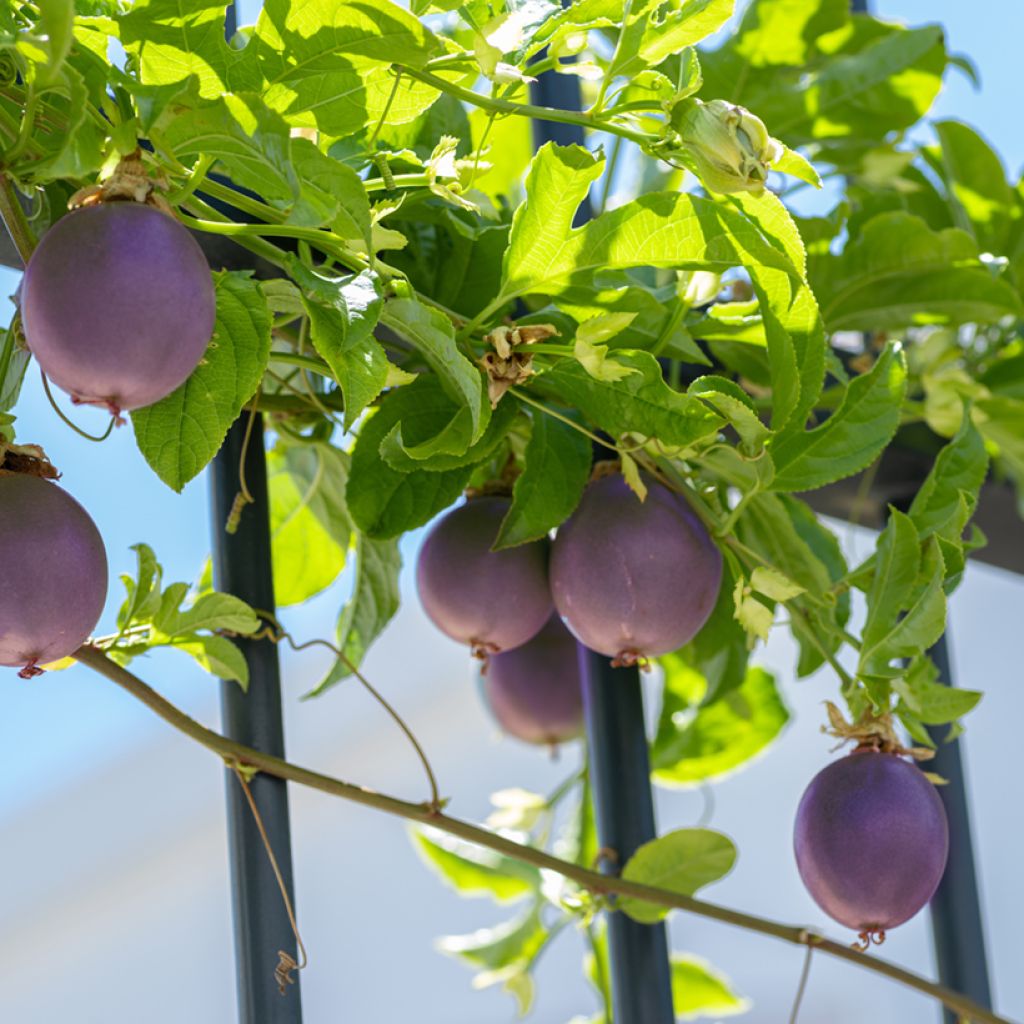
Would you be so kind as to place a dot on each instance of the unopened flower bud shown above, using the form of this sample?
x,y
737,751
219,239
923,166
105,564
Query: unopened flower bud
x,y
730,147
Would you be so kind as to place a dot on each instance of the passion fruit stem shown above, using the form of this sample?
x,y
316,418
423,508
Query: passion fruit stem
x,y
591,880
14,218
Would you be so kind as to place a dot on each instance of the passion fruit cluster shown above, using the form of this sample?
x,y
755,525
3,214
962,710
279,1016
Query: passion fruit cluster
x,y
629,579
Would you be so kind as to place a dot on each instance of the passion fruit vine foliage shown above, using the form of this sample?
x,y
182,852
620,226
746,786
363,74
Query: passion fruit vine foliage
x,y
416,315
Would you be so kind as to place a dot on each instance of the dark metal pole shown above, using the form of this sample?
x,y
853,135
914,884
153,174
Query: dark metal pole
x,y
957,929
242,566
620,780
620,773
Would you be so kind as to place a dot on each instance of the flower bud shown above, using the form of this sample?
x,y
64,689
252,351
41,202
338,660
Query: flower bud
x,y
730,147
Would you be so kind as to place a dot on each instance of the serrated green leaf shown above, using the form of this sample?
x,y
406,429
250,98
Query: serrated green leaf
x,y
898,272
326,64
696,743
210,612
433,336
343,312
511,942
959,469
332,193
728,399
774,584
932,702
181,433
309,527
424,409
682,862
372,605
660,229
384,502
250,141
641,403
982,200
796,166
548,490
143,592
698,990
906,601
14,360
174,41
852,437
473,870
217,655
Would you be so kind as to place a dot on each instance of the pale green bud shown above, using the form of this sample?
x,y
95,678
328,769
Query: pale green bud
x,y
729,146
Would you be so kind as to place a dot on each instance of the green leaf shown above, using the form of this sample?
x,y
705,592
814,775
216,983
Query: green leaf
x,y
898,272
728,399
697,743
959,469
343,312
143,592
472,870
511,942
641,403
796,166
181,433
548,490
210,612
785,31
174,41
14,360
774,584
906,601
698,990
332,194
852,437
660,229
309,526
325,64
424,410
216,655
384,502
682,862
250,142
983,201
56,27
431,332
375,599
930,701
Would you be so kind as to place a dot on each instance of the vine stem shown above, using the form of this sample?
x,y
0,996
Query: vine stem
x,y
237,753
501,106
14,217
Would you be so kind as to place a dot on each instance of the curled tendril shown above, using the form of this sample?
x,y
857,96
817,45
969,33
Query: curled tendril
x,y
8,70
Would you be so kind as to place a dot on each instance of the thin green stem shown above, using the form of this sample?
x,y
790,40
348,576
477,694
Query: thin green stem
x,y
305,362
418,180
387,108
425,813
98,438
528,109
523,397
194,180
609,174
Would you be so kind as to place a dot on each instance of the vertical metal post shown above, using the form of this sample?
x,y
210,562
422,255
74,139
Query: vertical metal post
x,y
957,929
242,566
616,737
620,779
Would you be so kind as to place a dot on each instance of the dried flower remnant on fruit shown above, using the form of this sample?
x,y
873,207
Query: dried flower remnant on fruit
x,y
729,146
130,182
511,362
28,459
871,732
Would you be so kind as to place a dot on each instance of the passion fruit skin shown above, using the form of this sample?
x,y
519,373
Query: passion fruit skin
x,y
535,692
634,579
118,304
491,600
871,840
54,571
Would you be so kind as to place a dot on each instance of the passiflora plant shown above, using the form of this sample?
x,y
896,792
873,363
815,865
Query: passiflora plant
x,y
424,308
